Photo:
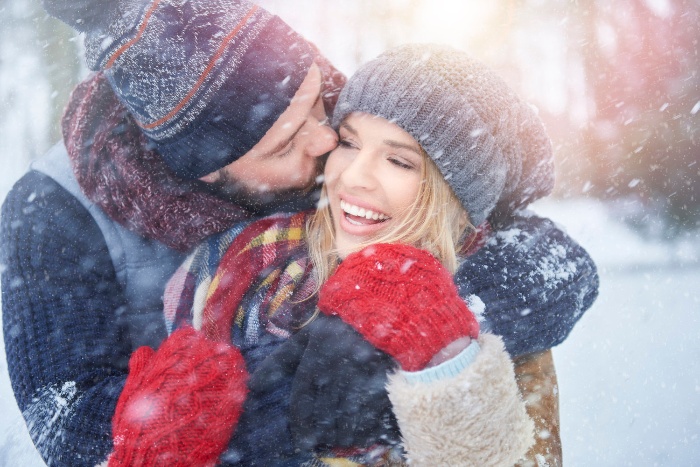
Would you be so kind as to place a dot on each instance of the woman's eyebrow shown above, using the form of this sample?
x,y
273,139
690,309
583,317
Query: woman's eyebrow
x,y
388,142
399,145
349,128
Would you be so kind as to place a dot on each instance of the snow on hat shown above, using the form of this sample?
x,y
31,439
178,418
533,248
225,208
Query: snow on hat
x,y
489,145
204,79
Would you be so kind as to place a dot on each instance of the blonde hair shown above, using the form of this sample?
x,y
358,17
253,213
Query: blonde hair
x,y
435,221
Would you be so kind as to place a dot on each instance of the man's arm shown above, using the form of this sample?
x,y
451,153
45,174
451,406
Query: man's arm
x,y
534,280
61,306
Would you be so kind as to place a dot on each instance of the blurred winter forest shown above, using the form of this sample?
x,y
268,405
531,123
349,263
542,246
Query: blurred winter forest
x,y
615,82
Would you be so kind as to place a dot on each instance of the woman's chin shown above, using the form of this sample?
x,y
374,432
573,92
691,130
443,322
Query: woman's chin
x,y
345,245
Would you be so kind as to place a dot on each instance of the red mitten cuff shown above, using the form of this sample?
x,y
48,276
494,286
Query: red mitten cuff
x,y
137,363
402,299
180,405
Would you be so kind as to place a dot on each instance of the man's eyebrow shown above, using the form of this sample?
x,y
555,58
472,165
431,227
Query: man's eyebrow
x,y
286,141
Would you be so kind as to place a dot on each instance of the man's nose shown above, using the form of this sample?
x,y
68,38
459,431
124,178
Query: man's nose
x,y
320,138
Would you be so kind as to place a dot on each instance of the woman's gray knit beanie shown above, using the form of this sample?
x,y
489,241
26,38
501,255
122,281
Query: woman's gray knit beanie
x,y
490,146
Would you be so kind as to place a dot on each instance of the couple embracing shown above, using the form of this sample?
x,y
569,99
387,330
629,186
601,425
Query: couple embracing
x,y
346,334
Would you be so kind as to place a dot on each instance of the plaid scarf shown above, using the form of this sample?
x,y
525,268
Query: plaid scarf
x,y
262,266
254,277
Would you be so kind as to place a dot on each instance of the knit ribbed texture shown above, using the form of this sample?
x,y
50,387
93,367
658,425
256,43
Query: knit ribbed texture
x,y
489,145
180,404
62,314
401,299
204,79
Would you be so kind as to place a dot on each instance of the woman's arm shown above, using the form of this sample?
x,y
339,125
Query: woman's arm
x,y
476,417
464,411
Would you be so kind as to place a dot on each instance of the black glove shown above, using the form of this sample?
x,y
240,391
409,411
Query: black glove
x,y
338,396
535,281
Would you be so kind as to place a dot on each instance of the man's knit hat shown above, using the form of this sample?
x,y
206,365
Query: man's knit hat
x,y
204,79
489,145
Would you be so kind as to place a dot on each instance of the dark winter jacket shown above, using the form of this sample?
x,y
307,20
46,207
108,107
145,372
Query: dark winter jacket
x,y
68,340
80,293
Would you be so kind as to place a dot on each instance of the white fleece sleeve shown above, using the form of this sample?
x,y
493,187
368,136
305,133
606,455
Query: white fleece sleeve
x,y
474,418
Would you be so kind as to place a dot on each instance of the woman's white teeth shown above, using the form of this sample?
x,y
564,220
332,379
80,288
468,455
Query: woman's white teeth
x,y
361,212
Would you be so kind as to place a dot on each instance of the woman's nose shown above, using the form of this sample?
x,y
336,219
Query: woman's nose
x,y
360,172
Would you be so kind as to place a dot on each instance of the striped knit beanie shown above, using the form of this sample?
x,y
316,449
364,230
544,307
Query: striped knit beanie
x,y
489,145
204,79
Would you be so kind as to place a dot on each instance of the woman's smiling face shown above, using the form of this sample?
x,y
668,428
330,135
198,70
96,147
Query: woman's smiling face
x,y
372,179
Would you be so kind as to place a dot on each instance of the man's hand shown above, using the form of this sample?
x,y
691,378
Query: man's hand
x,y
338,396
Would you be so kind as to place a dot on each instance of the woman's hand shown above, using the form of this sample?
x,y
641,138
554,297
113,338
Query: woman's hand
x,y
402,300
450,351
180,404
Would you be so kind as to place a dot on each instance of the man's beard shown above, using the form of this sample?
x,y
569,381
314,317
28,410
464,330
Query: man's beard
x,y
262,203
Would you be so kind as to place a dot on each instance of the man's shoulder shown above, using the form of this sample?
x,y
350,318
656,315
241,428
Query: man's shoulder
x,y
32,179
37,194
38,214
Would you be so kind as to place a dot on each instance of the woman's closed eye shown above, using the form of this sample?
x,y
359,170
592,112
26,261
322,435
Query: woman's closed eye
x,y
401,163
347,144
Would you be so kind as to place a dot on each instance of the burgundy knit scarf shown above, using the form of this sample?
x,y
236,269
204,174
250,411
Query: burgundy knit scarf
x,y
118,171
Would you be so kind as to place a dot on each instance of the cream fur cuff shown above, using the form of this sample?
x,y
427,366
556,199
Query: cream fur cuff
x,y
475,418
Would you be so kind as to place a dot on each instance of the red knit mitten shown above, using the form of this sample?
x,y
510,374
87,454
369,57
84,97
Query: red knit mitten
x,y
401,299
180,405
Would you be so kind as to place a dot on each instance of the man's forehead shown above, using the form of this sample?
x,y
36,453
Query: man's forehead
x,y
289,123
293,118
